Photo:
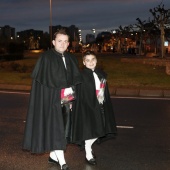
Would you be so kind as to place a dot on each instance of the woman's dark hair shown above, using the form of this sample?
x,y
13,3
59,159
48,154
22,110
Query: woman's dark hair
x,y
60,31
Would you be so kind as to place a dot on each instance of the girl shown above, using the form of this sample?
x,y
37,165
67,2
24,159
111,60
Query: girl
x,y
93,116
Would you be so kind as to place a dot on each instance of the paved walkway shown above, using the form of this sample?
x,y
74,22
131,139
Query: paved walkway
x,y
113,91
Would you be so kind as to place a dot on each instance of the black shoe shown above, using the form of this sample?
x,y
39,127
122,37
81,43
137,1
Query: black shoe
x,y
50,160
64,167
91,161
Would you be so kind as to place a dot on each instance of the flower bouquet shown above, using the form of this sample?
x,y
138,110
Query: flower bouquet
x,y
100,93
67,95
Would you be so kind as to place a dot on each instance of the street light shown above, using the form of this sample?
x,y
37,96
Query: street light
x,y
113,31
51,23
94,31
80,38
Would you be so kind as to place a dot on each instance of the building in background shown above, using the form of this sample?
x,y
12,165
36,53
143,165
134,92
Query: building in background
x,y
90,38
7,33
31,38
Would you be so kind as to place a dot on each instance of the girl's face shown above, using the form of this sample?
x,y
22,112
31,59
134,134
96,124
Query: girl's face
x,y
90,61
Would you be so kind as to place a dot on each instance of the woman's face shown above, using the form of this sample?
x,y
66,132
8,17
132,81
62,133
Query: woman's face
x,y
90,61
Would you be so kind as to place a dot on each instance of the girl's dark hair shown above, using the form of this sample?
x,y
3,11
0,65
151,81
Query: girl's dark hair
x,y
60,31
88,52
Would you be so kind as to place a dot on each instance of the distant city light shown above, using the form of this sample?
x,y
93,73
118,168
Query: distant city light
x,y
166,43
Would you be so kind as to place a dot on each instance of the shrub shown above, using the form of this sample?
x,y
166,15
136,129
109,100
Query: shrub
x,y
19,68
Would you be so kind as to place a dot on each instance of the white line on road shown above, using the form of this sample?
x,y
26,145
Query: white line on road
x,y
125,127
156,98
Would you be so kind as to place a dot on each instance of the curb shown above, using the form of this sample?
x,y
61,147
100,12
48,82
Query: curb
x,y
153,93
140,93
126,92
113,91
15,87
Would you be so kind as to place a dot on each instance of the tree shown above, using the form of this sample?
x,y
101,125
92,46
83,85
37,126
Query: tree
x,y
140,25
147,31
123,33
161,18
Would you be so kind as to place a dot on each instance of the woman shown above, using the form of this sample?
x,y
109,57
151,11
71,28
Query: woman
x,y
93,116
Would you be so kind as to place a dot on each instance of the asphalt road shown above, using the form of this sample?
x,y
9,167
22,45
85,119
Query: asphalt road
x,y
142,143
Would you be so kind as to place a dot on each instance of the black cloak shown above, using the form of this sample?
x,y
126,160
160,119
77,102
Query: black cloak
x,y
87,117
45,129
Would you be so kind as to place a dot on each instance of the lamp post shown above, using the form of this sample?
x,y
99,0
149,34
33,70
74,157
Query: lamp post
x,y
51,23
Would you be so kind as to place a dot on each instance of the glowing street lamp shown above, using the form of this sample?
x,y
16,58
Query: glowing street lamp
x,y
114,31
94,31
80,38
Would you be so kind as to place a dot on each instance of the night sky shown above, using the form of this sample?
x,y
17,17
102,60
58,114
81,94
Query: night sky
x,y
85,14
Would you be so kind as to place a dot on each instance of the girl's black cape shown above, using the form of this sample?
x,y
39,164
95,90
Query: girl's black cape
x,y
87,117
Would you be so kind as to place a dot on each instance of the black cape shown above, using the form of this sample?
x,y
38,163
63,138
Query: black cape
x,y
45,128
88,120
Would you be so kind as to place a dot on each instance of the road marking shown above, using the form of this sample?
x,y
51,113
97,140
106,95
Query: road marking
x,y
125,127
121,97
147,98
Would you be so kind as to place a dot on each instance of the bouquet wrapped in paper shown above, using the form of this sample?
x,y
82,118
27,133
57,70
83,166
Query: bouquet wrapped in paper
x,y
100,92
67,95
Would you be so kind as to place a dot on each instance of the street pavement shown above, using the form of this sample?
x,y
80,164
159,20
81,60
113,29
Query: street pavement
x,y
142,142
113,91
